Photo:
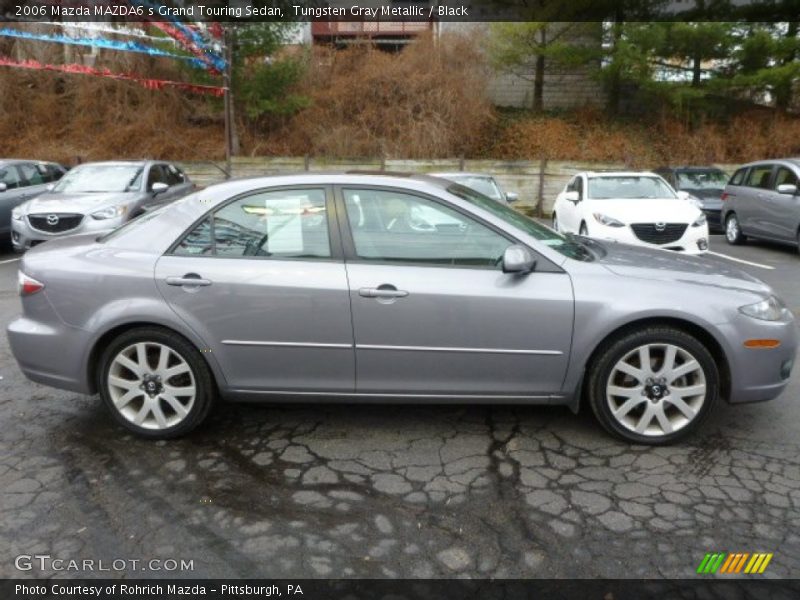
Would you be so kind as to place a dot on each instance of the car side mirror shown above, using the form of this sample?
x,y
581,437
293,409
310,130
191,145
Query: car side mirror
x,y
572,196
511,197
787,188
683,195
518,259
3,186
159,187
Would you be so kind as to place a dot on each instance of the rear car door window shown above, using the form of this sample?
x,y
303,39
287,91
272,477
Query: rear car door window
x,y
174,175
32,174
390,226
280,224
759,177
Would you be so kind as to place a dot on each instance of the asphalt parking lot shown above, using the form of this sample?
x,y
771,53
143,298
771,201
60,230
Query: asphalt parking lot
x,y
387,491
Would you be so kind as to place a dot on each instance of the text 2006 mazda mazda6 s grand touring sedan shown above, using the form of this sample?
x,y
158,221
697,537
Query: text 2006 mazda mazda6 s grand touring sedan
x,y
386,288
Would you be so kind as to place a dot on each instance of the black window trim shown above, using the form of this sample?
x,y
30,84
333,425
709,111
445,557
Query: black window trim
x,y
334,237
543,264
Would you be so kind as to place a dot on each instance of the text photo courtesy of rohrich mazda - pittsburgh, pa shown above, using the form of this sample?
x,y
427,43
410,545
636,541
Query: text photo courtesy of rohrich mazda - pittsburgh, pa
x,y
415,300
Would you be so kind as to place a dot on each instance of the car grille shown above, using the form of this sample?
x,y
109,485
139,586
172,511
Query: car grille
x,y
55,222
654,234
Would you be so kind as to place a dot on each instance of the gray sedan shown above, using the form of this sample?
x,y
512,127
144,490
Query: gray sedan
x,y
95,197
375,288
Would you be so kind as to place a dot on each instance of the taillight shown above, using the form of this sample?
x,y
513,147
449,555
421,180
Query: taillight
x,y
28,285
724,196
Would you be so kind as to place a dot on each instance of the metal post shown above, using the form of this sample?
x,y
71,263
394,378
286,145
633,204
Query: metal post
x,y
227,83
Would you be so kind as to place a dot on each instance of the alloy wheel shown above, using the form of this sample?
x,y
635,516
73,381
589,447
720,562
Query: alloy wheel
x,y
656,389
151,385
732,229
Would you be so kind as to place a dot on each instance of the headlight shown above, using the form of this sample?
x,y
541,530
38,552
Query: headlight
x,y
110,212
607,221
701,220
17,214
769,309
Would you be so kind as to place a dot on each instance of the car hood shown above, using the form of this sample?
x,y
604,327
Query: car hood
x,y
668,210
665,265
77,203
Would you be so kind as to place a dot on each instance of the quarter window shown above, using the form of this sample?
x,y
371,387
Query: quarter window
x,y
281,224
391,226
759,177
738,177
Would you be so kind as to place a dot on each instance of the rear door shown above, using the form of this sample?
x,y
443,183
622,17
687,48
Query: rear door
x,y
752,204
570,211
433,313
262,281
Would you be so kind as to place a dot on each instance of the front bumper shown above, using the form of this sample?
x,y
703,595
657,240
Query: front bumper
x,y
693,241
24,236
759,374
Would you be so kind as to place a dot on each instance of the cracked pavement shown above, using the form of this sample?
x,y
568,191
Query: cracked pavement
x,y
330,490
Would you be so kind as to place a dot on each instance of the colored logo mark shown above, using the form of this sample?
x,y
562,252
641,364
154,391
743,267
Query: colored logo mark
x,y
735,562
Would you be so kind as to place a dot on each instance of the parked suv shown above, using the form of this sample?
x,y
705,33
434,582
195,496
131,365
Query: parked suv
x,y
97,196
702,185
762,201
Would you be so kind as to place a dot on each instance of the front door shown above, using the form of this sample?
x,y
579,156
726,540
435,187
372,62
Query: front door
x,y
784,208
263,283
433,313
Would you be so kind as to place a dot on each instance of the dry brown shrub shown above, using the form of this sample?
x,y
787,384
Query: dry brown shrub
x,y
429,100
62,117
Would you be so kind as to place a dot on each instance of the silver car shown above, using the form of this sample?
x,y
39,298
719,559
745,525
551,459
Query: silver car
x,y
762,200
95,197
480,182
359,287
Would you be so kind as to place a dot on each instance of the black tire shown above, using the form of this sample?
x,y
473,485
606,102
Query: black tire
x,y
584,230
608,356
205,386
733,230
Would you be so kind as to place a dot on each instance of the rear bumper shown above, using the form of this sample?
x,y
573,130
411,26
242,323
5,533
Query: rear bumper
x,y
714,218
46,353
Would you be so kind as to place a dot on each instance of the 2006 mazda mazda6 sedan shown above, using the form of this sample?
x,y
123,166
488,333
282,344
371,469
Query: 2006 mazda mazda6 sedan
x,y
381,287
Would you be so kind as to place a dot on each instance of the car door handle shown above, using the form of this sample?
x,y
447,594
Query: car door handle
x,y
190,279
382,292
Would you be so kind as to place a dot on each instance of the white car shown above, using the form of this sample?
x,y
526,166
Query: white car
x,y
633,208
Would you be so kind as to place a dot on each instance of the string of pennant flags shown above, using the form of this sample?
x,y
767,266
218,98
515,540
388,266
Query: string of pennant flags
x,y
202,49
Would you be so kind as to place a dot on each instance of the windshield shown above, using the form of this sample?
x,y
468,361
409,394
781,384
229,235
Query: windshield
x,y
485,185
561,244
702,180
629,187
86,179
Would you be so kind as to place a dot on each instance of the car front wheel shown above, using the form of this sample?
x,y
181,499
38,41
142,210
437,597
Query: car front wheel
x,y
155,383
733,230
654,386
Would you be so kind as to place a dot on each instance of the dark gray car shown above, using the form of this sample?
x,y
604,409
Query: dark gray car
x,y
378,288
703,185
762,200
482,183
95,197
21,180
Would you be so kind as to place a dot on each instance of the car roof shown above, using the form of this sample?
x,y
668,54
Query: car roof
x,y
689,168
771,161
13,161
447,175
361,178
117,162
620,174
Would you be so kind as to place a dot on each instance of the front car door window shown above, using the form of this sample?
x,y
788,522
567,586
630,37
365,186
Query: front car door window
x,y
10,176
31,174
389,226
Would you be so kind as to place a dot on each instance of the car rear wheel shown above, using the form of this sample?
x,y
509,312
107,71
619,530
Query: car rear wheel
x,y
155,383
733,230
655,386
